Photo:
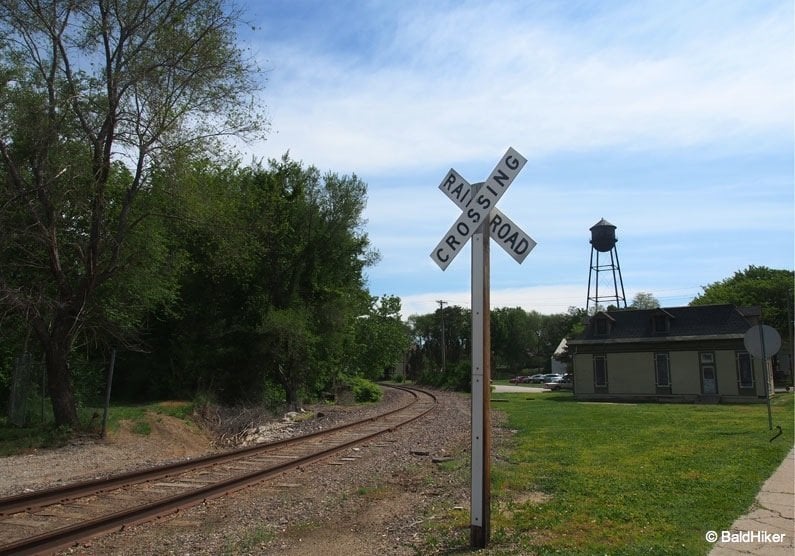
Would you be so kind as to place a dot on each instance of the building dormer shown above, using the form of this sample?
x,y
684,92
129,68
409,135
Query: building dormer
x,y
602,324
661,321
752,313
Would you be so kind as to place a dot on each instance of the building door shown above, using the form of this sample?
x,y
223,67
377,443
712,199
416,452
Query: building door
x,y
709,382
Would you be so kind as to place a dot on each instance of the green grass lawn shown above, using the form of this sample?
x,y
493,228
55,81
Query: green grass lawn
x,y
596,478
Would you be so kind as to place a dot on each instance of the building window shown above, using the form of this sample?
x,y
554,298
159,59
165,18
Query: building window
x,y
660,324
600,371
602,327
745,371
662,369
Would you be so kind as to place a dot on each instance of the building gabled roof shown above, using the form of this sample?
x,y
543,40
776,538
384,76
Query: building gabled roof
x,y
604,314
663,312
684,322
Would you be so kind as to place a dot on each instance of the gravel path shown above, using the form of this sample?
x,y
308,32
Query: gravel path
x,y
375,501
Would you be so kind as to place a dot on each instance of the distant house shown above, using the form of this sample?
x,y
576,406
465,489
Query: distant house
x,y
556,365
685,354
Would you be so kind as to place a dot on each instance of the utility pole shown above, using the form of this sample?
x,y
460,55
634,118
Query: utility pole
x,y
444,345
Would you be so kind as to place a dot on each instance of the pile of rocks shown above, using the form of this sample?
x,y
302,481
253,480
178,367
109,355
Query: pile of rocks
x,y
265,433
276,430
271,431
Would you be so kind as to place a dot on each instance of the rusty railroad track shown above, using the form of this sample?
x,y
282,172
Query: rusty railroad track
x,y
46,521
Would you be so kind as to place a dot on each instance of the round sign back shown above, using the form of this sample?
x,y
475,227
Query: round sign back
x,y
762,336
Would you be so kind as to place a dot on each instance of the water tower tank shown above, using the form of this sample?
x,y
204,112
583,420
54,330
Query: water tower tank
x,y
603,236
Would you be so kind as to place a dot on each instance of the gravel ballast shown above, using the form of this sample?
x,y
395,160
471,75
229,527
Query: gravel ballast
x,y
372,499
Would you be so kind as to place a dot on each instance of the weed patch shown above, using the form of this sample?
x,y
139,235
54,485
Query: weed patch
x,y
142,427
376,492
251,540
19,440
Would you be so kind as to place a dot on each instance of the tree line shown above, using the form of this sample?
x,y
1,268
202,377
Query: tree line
x,y
520,340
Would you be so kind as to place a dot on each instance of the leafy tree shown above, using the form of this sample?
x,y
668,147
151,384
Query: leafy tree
x,y
325,273
515,337
273,285
519,339
87,86
381,337
644,300
426,331
771,289
286,341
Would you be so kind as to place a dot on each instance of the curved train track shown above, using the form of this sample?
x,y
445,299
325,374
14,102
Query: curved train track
x,y
46,521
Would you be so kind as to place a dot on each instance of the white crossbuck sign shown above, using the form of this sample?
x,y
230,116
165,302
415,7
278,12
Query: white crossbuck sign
x,y
478,201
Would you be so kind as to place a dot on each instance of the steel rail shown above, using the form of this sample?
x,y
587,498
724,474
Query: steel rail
x,y
66,536
57,495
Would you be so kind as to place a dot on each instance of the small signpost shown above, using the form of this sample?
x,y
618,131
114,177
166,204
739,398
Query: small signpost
x,y
479,220
763,341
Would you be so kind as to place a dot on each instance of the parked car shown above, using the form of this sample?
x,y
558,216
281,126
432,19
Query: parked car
x,y
563,382
551,377
517,379
537,378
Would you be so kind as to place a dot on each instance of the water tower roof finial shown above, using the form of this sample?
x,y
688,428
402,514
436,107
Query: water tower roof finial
x,y
602,223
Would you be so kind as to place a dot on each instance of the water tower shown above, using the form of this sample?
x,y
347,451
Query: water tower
x,y
603,240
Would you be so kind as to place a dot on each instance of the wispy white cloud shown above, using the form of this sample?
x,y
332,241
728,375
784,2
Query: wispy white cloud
x,y
453,82
688,103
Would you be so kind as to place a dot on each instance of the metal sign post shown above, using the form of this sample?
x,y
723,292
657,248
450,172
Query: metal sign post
x,y
480,525
763,341
480,219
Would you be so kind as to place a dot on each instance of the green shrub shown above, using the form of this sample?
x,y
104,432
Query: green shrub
x,y
460,379
456,377
363,390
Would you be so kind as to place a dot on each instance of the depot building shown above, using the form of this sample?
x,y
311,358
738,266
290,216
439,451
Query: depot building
x,y
685,354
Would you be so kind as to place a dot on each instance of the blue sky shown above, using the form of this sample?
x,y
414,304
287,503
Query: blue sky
x,y
673,120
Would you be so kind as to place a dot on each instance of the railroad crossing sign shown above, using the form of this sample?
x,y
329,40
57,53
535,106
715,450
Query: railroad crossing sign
x,y
479,220
501,228
476,209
